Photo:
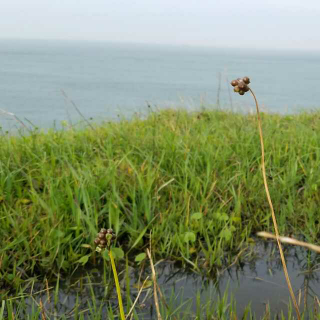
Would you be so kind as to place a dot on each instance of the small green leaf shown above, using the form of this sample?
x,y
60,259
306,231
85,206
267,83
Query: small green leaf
x,y
236,219
140,257
144,285
189,237
65,265
58,233
25,201
85,245
226,234
83,260
196,216
221,216
192,250
10,276
117,253
73,228
105,255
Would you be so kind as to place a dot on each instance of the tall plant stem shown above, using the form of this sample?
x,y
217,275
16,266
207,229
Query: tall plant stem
x,y
154,278
116,280
285,270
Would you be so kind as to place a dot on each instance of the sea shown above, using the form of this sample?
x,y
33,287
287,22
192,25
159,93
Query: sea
x,y
49,83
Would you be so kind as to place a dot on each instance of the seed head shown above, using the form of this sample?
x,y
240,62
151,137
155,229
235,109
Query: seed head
x,y
236,89
234,83
103,230
103,242
241,85
104,239
246,80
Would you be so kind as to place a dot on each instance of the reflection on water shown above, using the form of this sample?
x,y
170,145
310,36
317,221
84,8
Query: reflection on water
x,y
256,278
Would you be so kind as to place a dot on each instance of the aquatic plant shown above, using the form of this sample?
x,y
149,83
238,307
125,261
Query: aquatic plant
x,y
103,241
241,86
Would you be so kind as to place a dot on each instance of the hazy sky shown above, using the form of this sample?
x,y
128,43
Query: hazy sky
x,y
221,23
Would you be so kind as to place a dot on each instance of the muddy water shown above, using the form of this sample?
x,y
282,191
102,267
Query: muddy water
x,y
256,278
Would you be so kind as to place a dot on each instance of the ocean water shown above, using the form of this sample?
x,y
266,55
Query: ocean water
x,y
108,80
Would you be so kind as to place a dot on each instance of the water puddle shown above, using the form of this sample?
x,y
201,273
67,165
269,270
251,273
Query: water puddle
x,y
257,279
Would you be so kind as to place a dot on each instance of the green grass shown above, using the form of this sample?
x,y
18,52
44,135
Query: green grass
x,y
192,179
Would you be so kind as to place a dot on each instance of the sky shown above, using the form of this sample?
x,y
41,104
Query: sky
x,y
261,24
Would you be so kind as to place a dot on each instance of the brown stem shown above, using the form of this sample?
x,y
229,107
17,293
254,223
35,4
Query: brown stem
x,y
154,278
285,270
290,241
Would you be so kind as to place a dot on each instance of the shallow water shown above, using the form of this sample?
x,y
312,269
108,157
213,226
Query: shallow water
x,y
256,278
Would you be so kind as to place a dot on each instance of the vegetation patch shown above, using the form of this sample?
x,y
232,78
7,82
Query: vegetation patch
x,y
189,183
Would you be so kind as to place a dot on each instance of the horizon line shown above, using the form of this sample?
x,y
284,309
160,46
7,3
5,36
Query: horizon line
x,y
174,45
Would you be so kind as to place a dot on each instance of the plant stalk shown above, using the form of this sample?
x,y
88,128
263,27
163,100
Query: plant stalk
x,y
116,280
285,270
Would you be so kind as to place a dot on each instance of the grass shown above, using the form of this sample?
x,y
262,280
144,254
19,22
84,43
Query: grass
x,y
193,179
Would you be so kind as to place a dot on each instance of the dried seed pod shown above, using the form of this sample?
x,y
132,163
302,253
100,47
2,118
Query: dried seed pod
x,y
103,242
110,231
97,241
103,230
236,89
101,235
234,83
241,85
246,80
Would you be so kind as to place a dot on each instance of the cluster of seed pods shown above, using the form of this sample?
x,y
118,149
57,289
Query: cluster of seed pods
x,y
241,85
104,238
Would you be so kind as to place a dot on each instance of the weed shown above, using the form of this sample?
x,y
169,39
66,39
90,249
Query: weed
x,y
241,86
103,241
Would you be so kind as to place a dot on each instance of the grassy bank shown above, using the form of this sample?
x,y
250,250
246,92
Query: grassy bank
x,y
191,182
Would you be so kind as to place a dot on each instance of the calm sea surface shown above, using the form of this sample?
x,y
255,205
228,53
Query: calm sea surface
x,y
108,80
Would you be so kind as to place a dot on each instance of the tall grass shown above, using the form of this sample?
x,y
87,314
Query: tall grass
x,y
193,178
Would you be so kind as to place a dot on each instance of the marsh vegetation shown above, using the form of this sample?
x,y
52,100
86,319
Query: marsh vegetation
x,y
189,184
